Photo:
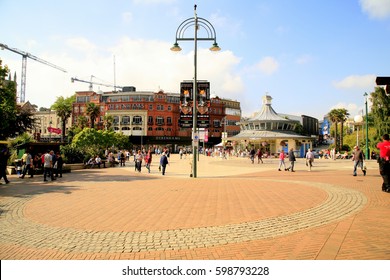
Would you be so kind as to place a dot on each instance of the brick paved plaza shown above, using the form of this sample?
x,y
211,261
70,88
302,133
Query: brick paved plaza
x,y
233,210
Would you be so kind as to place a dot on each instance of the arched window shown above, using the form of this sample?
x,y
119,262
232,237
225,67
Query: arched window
x,y
159,120
125,120
137,120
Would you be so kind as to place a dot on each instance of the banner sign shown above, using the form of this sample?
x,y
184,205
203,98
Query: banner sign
x,y
54,130
202,104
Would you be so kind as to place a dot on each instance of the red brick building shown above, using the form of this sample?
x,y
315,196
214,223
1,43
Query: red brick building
x,y
152,118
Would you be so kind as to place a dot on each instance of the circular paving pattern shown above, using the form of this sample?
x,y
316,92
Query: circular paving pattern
x,y
17,228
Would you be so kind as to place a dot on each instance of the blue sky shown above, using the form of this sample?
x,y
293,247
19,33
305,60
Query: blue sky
x,y
310,56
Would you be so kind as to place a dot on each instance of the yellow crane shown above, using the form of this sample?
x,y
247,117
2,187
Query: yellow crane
x,y
26,55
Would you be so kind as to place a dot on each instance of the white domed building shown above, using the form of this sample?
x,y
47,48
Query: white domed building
x,y
272,132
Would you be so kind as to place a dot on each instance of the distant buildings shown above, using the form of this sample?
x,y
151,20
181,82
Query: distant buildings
x,y
152,118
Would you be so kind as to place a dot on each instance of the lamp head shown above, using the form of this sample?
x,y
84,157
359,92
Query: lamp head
x,y
176,47
215,47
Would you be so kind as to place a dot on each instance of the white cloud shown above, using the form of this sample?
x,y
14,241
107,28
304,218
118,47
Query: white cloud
x,y
304,59
268,65
147,65
81,44
356,82
127,17
352,108
379,9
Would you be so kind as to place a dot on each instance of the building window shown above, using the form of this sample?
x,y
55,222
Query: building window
x,y
150,120
137,128
169,108
151,107
137,120
169,120
159,120
159,129
150,128
116,120
125,120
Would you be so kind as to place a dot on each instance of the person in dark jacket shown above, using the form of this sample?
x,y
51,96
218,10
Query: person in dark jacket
x,y
163,163
291,159
4,155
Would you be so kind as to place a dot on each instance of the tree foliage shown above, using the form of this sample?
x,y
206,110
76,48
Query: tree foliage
x,y
93,111
380,112
93,141
63,108
14,119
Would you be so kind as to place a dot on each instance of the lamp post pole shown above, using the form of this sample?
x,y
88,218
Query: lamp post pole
x,y
367,156
198,23
358,120
194,94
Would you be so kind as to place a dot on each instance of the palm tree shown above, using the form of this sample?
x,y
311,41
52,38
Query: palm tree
x,y
63,108
334,118
343,116
82,122
93,111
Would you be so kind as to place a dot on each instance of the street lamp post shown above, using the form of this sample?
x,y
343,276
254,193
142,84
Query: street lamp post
x,y
365,95
358,120
197,23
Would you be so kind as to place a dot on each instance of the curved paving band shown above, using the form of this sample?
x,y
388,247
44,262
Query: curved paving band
x,y
340,203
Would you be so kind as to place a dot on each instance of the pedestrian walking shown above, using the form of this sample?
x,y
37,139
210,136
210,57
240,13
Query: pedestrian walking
x,y
358,158
291,159
4,155
384,161
138,161
259,156
48,165
27,163
148,160
309,159
163,162
252,154
60,163
281,161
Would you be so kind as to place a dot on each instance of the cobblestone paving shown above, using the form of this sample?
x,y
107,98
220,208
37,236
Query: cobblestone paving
x,y
17,229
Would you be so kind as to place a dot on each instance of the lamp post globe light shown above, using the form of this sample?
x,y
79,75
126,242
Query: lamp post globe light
x,y
358,120
197,23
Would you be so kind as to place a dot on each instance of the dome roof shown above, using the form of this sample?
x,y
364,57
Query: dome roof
x,y
267,113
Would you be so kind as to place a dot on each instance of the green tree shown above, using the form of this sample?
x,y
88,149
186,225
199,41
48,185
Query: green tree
x,y
63,108
343,116
7,103
14,119
93,141
82,122
334,118
93,112
380,112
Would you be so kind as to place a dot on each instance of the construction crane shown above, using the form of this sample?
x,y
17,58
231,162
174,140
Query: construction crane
x,y
94,83
26,55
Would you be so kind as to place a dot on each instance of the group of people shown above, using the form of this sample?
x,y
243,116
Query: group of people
x,y
51,162
94,161
291,159
141,157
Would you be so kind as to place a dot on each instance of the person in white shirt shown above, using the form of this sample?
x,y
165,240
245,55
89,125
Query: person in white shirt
x,y
309,159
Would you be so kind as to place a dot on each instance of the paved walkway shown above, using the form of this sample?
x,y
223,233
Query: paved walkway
x,y
233,210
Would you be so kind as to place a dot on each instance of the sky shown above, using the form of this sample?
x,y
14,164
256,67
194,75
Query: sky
x,y
309,56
